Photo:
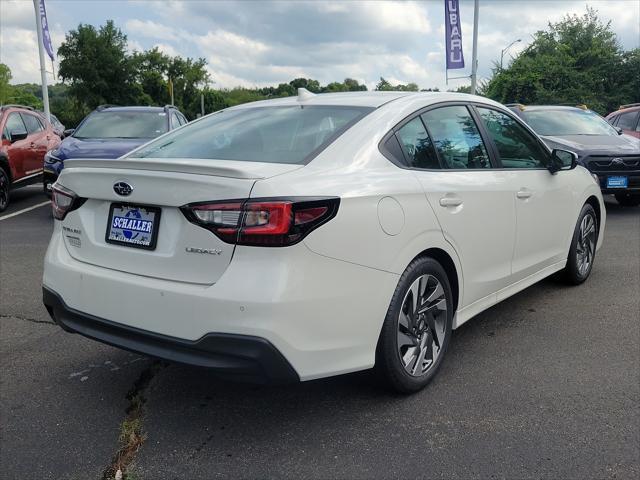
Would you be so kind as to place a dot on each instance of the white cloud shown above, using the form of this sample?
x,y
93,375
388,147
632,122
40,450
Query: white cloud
x,y
259,42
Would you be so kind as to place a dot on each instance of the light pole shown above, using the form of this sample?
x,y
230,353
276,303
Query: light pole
x,y
474,59
507,48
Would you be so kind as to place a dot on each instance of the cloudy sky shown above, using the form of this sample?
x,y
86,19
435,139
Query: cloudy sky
x,y
256,43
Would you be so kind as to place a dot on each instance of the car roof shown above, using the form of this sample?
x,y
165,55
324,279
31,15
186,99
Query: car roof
x,y
634,108
525,108
372,99
132,108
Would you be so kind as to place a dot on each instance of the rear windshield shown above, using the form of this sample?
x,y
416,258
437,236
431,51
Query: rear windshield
x,y
114,124
288,134
567,122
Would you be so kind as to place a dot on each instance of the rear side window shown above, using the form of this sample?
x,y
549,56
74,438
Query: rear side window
x,y
32,123
288,134
627,120
418,145
516,146
456,137
15,124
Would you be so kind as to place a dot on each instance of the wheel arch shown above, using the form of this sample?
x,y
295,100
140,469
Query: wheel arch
x,y
454,276
593,201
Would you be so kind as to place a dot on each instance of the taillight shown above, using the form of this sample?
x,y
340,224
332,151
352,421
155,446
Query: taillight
x,y
64,201
263,222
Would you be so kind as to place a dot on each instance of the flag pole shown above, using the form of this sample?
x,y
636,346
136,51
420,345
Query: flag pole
x,y
43,71
474,60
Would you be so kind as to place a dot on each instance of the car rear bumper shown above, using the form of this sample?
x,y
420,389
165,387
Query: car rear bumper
x,y
239,357
323,315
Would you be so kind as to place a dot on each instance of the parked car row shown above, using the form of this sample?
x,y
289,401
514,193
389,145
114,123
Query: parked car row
x,y
34,149
31,147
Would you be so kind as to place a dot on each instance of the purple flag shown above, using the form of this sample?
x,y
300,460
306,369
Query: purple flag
x,y
455,58
46,37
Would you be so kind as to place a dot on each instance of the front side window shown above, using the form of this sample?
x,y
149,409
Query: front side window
x,y
517,147
286,134
15,124
123,124
32,123
627,120
456,138
418,146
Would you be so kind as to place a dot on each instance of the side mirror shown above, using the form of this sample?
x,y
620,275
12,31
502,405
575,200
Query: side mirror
x,y
68,132
619,130
14,136
562,160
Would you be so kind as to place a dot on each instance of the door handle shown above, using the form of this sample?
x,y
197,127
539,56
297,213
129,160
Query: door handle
x,y
32,144
524,193
450,201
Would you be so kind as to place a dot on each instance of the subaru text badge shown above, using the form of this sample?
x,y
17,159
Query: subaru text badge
x,y
122,188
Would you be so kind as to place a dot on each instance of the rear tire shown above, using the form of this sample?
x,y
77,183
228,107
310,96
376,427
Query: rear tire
x,y
583,247
417,328
5,190
628,199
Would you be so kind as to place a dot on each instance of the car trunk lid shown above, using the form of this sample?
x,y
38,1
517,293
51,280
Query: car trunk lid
x,y
183,251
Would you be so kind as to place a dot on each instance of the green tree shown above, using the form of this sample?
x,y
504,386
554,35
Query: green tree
x,y
308,83
5,88
577,60
384,85
353,85
95,64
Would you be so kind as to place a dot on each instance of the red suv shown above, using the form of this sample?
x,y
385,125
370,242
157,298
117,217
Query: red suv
x,y
26,138
627,118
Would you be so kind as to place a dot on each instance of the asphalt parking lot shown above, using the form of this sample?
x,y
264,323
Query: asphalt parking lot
x,y
544,385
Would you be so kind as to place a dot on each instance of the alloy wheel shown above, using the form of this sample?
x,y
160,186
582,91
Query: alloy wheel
x,y
586,244
422,325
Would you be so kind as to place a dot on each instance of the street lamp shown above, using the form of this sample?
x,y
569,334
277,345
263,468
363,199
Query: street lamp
x,y
507,48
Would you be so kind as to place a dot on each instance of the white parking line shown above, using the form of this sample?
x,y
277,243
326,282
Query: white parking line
x,y
24,210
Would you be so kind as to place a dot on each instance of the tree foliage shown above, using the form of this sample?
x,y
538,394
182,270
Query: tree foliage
x,y
384,85
577,60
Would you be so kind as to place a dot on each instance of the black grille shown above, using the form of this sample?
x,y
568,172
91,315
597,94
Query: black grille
x,y
613,164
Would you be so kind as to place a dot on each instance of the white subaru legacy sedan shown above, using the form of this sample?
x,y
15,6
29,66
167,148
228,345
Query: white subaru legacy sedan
x,y
316,235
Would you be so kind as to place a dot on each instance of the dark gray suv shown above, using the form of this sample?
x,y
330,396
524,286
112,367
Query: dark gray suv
x,y
603,149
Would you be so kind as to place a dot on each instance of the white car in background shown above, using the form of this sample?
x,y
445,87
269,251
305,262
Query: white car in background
x,y
311,236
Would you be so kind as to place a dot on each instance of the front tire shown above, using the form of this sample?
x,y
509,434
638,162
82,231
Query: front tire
x,y
5,190
628,199
417,328
583,247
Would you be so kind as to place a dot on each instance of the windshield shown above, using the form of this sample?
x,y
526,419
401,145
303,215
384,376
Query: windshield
x,y
567,122
123,124
291,134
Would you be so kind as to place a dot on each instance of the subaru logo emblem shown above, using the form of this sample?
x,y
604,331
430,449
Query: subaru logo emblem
x,y
123,189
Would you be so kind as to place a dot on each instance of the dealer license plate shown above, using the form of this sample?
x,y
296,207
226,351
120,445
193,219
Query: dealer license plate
x,y
133,225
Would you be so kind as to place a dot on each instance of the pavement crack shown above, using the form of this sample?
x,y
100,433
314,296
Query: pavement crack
x,y
27,319
132,434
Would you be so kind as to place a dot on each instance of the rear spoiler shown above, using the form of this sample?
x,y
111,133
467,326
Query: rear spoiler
x,y
217,168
